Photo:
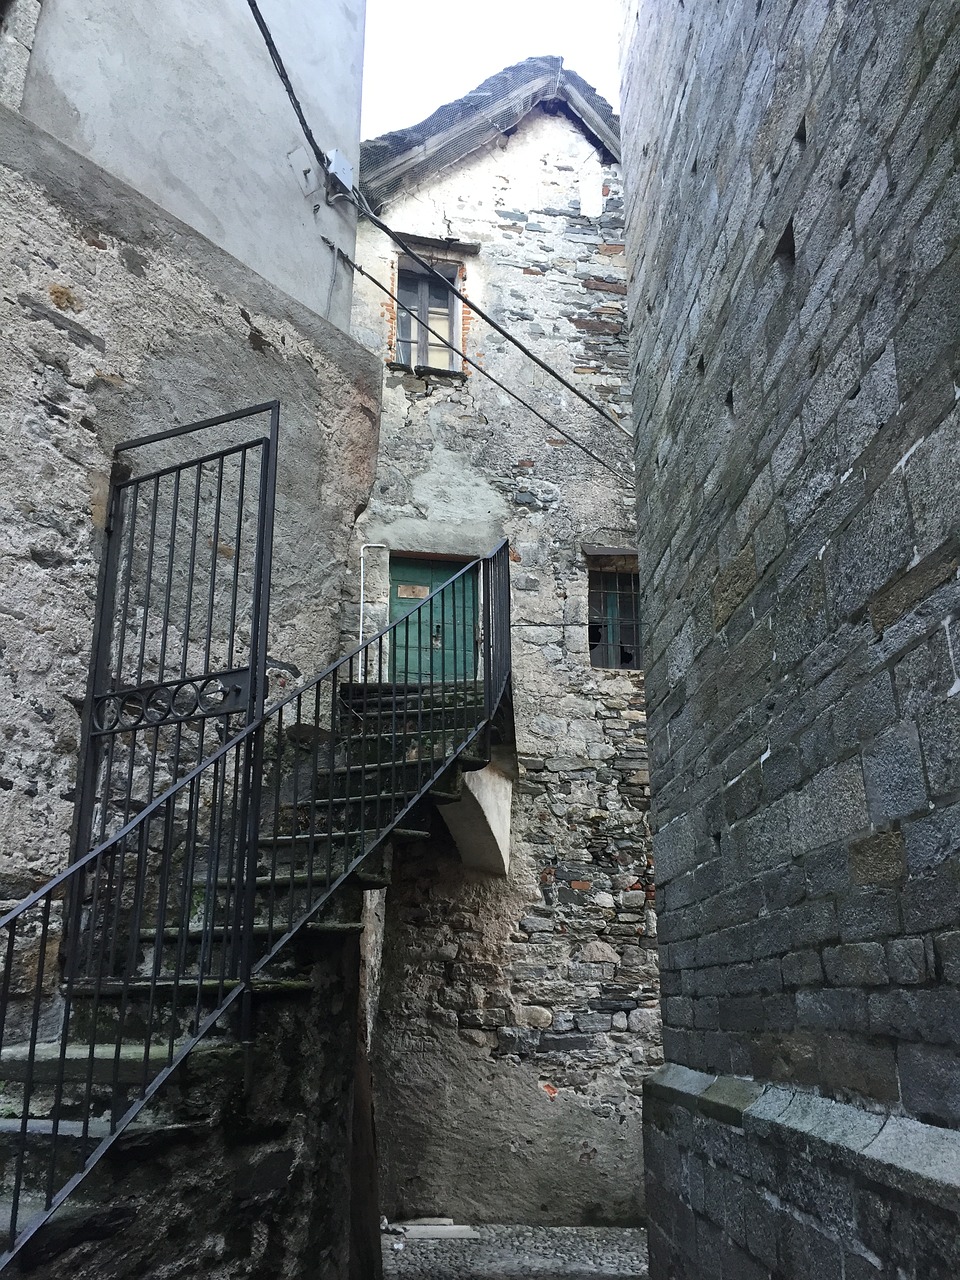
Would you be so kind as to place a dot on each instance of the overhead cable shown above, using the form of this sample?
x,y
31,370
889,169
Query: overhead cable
x,y
357,198
364,206
281,70
473,363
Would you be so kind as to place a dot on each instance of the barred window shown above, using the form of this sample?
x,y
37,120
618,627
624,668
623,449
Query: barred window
x,y
613,619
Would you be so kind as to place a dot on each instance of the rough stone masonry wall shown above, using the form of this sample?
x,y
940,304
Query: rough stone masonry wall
x,y
519,1014
225,1180
115,321
793,203
17,29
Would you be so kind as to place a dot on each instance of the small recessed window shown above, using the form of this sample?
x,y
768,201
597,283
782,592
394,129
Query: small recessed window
x,y
426,303
613,619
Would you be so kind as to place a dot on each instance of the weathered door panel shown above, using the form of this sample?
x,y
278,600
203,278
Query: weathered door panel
x,y
439,644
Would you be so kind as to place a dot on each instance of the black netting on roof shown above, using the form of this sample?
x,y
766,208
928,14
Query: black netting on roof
x,y
497,105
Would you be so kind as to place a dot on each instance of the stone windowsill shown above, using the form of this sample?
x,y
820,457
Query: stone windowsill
x,y
427,372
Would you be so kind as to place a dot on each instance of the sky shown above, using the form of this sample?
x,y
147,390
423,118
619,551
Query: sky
x,y
423,53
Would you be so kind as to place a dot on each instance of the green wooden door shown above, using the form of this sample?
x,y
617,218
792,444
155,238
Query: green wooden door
x,y
439,643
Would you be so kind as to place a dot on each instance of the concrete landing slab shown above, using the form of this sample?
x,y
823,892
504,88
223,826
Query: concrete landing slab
x,y
415,1231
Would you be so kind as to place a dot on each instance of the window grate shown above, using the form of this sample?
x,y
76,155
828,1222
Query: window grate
x,y
613,619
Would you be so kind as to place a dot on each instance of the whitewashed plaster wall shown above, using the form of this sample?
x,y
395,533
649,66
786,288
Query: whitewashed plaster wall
x,y
181,101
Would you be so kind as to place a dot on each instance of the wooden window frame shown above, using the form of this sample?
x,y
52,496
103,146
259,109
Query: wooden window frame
x,y
418,356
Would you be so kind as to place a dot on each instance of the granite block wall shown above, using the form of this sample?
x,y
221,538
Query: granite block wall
x,y
792,209
750,1181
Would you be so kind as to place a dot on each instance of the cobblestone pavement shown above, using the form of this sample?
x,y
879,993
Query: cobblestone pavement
x,y
543,1253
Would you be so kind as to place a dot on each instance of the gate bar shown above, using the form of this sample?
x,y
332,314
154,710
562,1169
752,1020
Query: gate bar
x,y
269,406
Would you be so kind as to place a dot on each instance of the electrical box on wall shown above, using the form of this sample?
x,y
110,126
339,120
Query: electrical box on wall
x,y
309,174
341,169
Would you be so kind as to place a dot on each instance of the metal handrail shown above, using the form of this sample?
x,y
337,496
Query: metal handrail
x,y
117,967
246,732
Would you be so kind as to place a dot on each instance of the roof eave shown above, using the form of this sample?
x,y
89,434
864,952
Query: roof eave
x,y
592,120
402,171
386,178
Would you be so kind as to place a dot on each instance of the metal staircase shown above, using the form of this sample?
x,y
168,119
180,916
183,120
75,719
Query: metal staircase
x,y
164,933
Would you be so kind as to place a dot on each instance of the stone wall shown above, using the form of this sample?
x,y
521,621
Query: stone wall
x,y
17,28
792,197
118,321
518,1015
221,1179
749,1181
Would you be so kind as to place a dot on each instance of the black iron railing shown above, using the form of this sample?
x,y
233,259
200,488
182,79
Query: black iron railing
x,y
115,969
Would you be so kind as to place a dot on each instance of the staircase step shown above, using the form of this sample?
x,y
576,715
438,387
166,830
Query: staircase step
x,y
75,1142
323,803
374,767
299,880
194,934
306,840
303,840
445,797
305,784
76,1064
319,837
471,763
113,988
469,692
96,1128
79,1060
408,744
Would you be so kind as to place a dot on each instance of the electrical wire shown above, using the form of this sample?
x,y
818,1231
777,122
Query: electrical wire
x,y
364,207
474,364
281,71
359,200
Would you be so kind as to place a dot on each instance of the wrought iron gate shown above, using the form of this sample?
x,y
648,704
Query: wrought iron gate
x,y
115,969
180,644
